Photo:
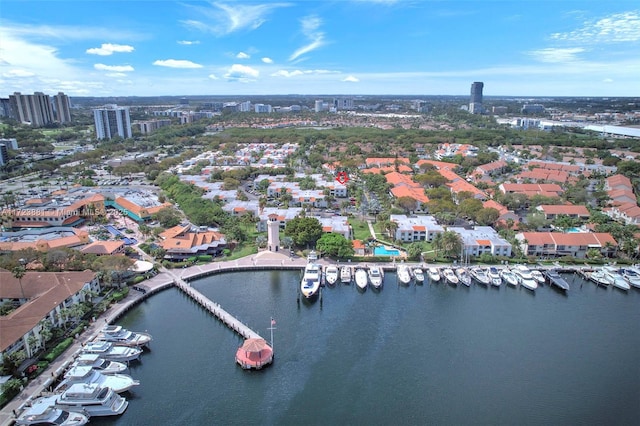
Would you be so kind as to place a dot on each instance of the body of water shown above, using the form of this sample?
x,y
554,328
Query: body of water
x,y
426,354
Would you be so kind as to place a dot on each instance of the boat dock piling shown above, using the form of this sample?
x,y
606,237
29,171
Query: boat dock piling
x,y
225,317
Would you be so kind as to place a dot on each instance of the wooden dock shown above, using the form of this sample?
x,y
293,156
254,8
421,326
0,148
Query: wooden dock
x,y
225,317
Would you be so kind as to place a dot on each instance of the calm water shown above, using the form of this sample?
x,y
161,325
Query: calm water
x,y
406,355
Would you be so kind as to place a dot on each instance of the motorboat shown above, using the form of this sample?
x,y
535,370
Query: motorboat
x,y
434,274
463,276
618,280
509,277
345,274
361,278
525,278
538,276
556,279
87,375
120,336
494,276
601,278
480,275
44,412
107,350
310,284
376,276
102,365
632,276
404,274
418,274
450,276
331,274
91,399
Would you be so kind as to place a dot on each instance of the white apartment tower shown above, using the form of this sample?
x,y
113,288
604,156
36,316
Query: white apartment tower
x,y
62,108
112,121
34,109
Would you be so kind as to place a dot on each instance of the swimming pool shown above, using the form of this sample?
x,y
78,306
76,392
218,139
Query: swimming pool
x,y
383,251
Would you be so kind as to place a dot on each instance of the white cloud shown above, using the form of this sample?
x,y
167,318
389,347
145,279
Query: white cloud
x,y
310,25
242,55
17,73
243,73
213,77
295,73
176,63
69,32
351,79
607,80
114,68
615,28
267,60
226,18
188,42
109,49
116,74
552,55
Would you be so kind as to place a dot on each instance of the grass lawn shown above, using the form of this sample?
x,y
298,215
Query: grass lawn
x,y
360,229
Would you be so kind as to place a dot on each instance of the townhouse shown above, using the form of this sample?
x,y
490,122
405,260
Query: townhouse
x,y
415,228
557,244
552,211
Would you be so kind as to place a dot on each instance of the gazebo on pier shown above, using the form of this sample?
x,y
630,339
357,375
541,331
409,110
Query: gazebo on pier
x,y
254,354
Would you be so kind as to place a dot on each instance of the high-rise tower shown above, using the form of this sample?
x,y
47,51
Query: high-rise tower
x,y
62,108
475,103
112,121
34,109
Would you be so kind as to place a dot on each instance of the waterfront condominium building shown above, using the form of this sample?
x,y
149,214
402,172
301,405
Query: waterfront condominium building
x,y
112,121
34,109
475,103
62,108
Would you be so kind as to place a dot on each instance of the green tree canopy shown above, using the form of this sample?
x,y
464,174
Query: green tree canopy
x,y
335,245
305,231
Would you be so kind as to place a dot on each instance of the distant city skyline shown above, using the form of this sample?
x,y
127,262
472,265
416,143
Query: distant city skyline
x,y
359,47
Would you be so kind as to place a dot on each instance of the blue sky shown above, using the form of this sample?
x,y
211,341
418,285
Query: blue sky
x,y
517,48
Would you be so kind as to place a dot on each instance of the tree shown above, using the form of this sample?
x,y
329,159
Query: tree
x,y
18,273
488,216
12,360
449,243
415,249
469,207
335,245
287,242
305,231
536,221
407,204
261,241
168,217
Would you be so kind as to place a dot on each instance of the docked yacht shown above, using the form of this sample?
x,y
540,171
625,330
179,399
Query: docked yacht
x,y
376,276
525,278
601,278
434,274
310,284
44,412
480,275
404,274
331,274
361,278
345,274
93,400
418,274
87,375
555,279
108,351
538,276
450,276
494,276
120,336
509,277
102,365
463,276
632,276
618,280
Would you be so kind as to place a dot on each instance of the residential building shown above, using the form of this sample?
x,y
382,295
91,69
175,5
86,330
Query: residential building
x,y
482,239
342,103
112,121
321,105
43,239
336,224
415,228
283,216
475,103
530,189
489,169
11,143
505,213
553,211
262,108
557,244
103,248
184,241
147,127
628,213
4,154
33,109
532,109
62,108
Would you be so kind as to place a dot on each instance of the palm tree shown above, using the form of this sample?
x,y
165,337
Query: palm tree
x,y
19,272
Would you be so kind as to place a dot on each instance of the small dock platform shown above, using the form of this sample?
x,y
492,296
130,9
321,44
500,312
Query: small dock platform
x,y
217,311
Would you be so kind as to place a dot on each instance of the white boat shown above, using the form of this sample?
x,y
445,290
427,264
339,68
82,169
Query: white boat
x,y
331,274
538,276
599,277
92,400
376,276
310,284
525,278
480,275
450,276
418,274
87,375
632,276
463,276
404,273
120,336
102,365
361,278
44,412
618,280
345,274
494,276
509,277
108,351
434,274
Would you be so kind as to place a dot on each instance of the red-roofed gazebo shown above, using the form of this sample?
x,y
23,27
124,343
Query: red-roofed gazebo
x,y
254,354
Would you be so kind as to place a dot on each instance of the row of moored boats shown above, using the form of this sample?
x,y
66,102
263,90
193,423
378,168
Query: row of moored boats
x,y
615,276
92,385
